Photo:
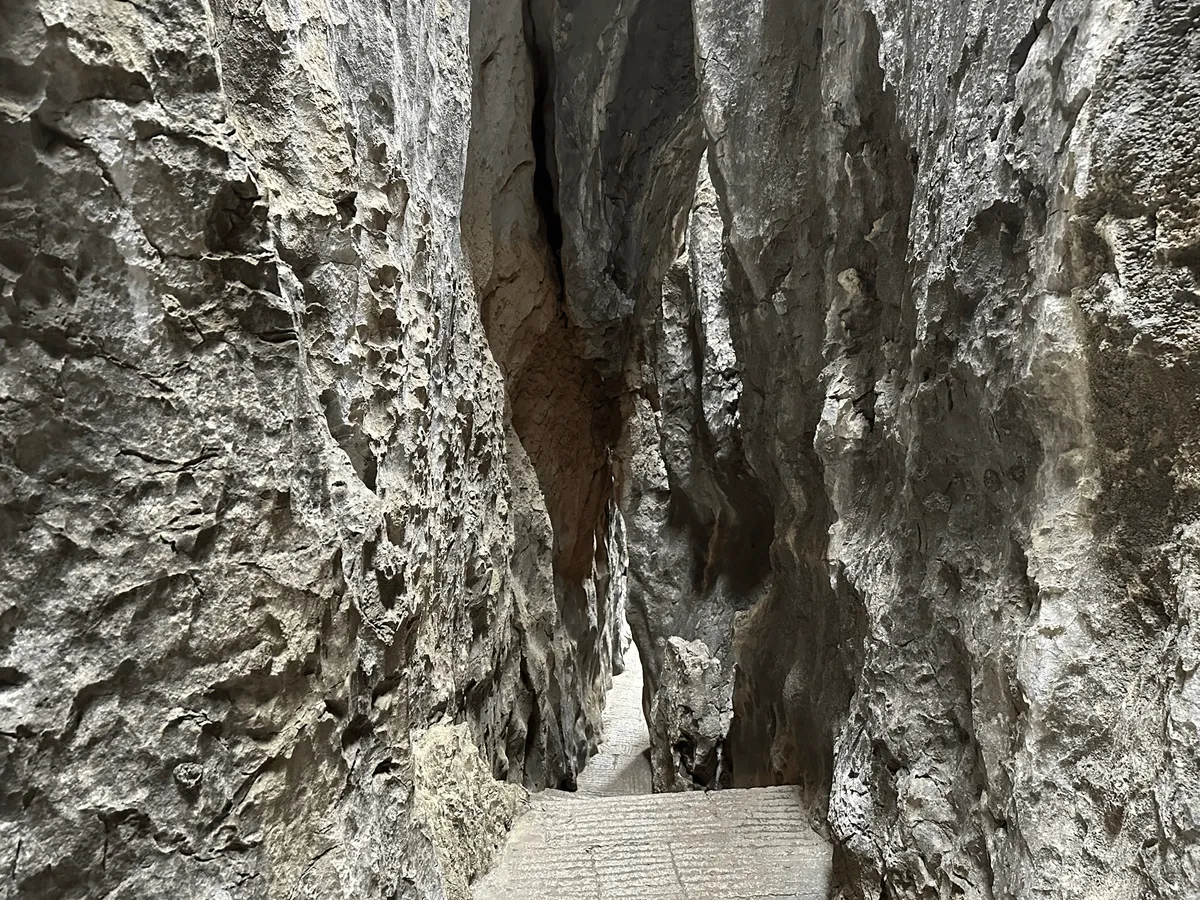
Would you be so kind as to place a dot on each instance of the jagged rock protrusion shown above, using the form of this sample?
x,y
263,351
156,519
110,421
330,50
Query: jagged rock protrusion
x,y
689,720
466,813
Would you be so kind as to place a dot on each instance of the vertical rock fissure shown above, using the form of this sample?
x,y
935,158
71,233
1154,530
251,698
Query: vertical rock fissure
x,y
359,355
542,131
561,411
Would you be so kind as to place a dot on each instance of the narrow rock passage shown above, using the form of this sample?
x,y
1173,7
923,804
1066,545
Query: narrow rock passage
x,y
621,764
614,840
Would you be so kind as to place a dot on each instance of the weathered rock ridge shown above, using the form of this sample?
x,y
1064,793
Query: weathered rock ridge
x,y
361,358
690,718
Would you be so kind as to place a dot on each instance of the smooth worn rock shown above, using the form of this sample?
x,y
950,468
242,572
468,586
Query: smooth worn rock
x,y
748,844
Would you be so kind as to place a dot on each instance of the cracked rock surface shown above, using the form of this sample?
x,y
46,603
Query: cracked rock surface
x,y
910,425
360,359
967,292
690,719
267,509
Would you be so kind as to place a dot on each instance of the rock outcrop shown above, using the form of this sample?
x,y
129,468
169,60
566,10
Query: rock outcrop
x,y
466,811
690,719
973,408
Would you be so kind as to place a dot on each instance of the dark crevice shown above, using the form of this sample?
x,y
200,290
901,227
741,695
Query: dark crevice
x,y
542,133
1020,54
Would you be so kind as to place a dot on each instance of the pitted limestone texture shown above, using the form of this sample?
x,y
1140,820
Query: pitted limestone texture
x,y
348,348
690,717
269,509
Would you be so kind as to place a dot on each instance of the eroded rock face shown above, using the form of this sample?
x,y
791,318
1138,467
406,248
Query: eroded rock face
x,y
959,260
938,308
699,521
935,238
337,333
690,718
467,812
268,507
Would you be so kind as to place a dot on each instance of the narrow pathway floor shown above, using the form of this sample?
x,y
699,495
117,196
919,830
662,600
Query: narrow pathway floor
x,y
621,764
614,840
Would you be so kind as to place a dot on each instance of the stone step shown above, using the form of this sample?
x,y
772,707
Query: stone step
x,y
622,763
733,845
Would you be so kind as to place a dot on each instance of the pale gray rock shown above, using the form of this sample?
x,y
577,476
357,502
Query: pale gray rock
x,y
971,405
267,511
466,811
958,254
699,523
349,346
689,720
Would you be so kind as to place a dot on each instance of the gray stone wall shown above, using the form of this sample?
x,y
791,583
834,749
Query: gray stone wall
x,y
264,514
931,488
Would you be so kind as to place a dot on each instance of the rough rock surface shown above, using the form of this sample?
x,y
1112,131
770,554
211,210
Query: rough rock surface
x,y
689,720
336,334
268,508
467,812
700,524
965,239
959,255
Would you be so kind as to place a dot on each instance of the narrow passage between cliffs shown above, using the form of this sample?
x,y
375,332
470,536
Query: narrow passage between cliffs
x,y
613,838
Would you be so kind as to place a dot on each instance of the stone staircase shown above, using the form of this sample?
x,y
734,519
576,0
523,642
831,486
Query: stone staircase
x,y
614,840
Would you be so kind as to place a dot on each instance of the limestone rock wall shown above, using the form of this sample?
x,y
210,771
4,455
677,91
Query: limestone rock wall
x,y
966,290
347,344
942,515
699,520
637,234
268,506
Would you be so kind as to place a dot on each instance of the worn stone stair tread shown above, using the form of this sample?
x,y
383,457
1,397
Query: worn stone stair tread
x,y
613,839
749,843
622,763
